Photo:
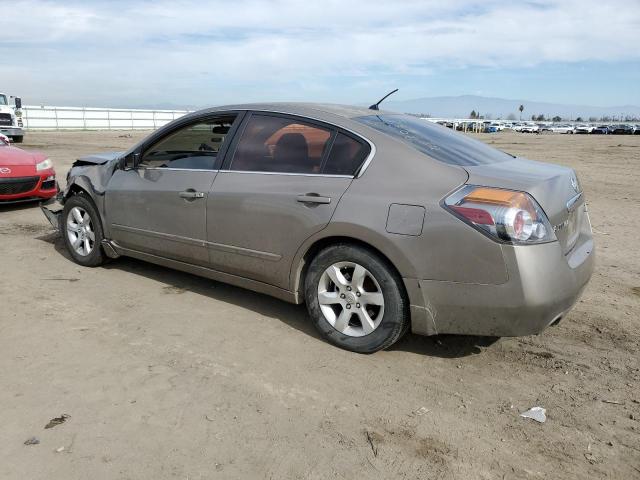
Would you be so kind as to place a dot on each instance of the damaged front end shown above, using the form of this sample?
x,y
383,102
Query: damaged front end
x,y
52,209
88,174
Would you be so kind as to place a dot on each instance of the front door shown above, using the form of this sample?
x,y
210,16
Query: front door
x,y
274,195
159,206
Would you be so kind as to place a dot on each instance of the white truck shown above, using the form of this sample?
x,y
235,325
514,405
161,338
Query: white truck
x,y
11,118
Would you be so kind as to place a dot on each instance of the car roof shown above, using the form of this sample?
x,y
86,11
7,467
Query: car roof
x,y
320,111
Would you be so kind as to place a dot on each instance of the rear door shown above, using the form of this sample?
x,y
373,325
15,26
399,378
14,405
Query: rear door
x,y
283,182
159,205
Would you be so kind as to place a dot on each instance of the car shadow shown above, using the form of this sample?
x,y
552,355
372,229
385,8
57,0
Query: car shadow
x,y
443,346
295,316
13,207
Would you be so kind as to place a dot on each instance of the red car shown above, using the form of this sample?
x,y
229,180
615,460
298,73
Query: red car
x,y
24,176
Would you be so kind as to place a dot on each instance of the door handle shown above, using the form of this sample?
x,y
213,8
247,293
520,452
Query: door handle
x,y
313,198
191,194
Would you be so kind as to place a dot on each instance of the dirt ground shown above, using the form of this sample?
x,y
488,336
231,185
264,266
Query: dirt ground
x,y
167,375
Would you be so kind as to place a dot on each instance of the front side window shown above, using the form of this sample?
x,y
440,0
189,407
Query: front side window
x,y
283,145
3,99
194,147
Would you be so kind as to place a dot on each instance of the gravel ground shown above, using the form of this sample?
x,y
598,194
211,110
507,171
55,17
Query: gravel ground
x,y
167,375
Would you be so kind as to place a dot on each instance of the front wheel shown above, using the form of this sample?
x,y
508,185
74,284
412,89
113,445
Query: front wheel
x,y
82,231
18,139
356,299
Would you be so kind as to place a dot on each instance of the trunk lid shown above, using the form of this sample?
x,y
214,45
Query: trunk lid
x,y
555,188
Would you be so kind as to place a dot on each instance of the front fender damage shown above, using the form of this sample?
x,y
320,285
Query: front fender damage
x,y
88,174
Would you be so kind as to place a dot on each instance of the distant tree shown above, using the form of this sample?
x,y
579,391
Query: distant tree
x,y
473,114
579,119
606,118
533,117
511,116
593,119
540,118
521,109
557,118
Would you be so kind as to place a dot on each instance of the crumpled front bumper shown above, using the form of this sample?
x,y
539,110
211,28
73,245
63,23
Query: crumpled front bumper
x,y
52,209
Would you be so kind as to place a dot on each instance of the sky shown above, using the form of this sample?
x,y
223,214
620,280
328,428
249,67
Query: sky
x,y
198,53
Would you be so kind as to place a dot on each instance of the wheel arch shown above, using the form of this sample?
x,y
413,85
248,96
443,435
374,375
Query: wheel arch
x,y
82,185
394,258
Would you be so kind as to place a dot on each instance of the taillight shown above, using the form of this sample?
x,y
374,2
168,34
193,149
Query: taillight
x,y
507,215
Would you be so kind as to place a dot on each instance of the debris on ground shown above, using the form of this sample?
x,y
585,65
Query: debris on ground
x,y
57,421
538,414
421,411
32,441
126,135
374,449
613,402
60,449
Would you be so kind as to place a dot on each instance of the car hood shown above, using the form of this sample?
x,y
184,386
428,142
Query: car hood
x,y
12,156
98,158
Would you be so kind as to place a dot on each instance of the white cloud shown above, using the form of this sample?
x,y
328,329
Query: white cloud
x,y
187,50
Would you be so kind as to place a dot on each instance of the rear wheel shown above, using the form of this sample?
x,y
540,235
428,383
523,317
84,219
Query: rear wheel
x,y
356,299
18,139
82,231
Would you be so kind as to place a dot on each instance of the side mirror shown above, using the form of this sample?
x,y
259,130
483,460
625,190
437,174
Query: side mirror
x,y
18,103
131,161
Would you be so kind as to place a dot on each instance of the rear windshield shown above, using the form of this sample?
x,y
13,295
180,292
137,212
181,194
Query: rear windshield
x,y
440,143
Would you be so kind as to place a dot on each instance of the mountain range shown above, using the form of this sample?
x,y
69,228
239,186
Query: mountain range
x,y
490,107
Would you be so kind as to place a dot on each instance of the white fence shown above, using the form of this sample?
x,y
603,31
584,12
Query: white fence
x,y
76,118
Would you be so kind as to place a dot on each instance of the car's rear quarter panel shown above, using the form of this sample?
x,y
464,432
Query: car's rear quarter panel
x,y
446,249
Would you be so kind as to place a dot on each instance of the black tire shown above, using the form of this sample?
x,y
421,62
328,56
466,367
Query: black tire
x,y
96,256
395,319
18,139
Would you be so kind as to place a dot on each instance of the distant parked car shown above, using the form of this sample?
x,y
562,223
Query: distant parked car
x,y
636,129
600,130
583,129
543,127
566,129
530,128
622,130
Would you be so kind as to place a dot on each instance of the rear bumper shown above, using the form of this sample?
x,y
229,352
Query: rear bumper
x,y
543,286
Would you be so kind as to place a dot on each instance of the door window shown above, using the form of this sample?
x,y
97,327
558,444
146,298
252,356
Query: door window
x,y
192,147
277,144
347,154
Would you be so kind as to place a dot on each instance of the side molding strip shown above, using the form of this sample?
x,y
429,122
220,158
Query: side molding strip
x,y
272,257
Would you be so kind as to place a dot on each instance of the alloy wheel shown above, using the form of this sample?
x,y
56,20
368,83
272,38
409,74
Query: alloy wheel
x,y
80,231
351,299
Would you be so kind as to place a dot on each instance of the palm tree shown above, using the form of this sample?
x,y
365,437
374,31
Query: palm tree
x,y
521,108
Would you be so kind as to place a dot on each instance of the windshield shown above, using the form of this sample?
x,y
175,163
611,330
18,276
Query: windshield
x,y
3,99
434,140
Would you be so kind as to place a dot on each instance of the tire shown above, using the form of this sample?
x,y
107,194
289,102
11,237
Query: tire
x,y
364,327
18,139
77,227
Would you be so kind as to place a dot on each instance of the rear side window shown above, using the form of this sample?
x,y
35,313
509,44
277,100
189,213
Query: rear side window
x,y
192,147
436,141
280,145
347,154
